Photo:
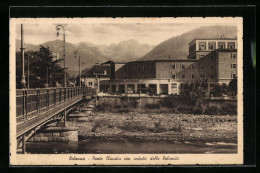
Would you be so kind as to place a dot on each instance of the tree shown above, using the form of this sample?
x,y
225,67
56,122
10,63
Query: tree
x,y
219,89
233,86
44,68
194,92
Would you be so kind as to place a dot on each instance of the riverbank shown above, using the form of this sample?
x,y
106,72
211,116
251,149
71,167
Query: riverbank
x,y
158,127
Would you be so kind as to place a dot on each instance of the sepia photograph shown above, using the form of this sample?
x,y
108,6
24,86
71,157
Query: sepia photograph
x,y
126,91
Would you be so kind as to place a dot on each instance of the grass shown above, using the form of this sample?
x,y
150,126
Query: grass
x,y
167,106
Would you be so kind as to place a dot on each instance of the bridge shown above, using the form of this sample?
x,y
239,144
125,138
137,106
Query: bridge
x,y
38,107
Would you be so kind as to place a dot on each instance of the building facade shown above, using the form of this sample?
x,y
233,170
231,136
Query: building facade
x,y
100,72
211,59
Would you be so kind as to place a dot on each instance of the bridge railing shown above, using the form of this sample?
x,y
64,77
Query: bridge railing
x,y
34,101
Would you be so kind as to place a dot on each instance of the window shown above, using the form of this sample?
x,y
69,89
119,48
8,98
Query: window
x,y
211,57
192,66
133,68
231,45
211,47
174,85
233,76
211,66
212,76
183,67
202,45
89,83
202,76
192,76
144,67
233,65
151,67
221,45
201,56
173,76
201,67
183,76
173,66
233,55
138,68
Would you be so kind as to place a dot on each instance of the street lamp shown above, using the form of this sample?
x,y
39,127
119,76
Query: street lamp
x,y
23,82
58,27
29,54
76,52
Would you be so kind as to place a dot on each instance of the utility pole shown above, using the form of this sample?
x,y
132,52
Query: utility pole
x,y
29,54
58,27
23,82
28,75
76,52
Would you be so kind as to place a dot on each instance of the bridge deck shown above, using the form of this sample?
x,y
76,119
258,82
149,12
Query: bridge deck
x,y
43,117
36,106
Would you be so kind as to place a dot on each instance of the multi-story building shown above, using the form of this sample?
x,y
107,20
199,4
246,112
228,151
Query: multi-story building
x,y
99,72
213,59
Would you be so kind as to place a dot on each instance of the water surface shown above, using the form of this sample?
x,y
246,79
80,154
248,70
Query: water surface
x,y
131,147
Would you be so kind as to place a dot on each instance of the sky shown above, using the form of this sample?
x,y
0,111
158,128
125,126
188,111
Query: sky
x,y
105,33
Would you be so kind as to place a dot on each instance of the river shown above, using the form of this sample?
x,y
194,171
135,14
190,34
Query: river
x,y
131,147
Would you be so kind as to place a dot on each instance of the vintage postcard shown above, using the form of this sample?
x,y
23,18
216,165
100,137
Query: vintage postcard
x,y
126,91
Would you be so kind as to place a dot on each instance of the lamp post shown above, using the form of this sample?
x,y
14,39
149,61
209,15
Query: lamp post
x,y
76,52
28,68
23,82
58,27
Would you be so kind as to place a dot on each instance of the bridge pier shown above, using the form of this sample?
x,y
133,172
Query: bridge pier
x,y
65,114
23,144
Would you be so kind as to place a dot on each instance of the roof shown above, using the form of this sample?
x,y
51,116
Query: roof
x,y
112,62
162,60
212,39
97,69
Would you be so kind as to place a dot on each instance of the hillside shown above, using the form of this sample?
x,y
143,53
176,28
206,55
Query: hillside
x,y
88,55
91,54
177,47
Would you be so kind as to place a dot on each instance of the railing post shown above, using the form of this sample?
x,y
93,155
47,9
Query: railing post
x,y
26,103
60,95
23,104
64,94
68,93
47,99
38,100
55,96
37,104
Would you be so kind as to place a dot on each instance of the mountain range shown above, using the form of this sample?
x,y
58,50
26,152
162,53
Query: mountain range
x,y
132,50
177,47
124,51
